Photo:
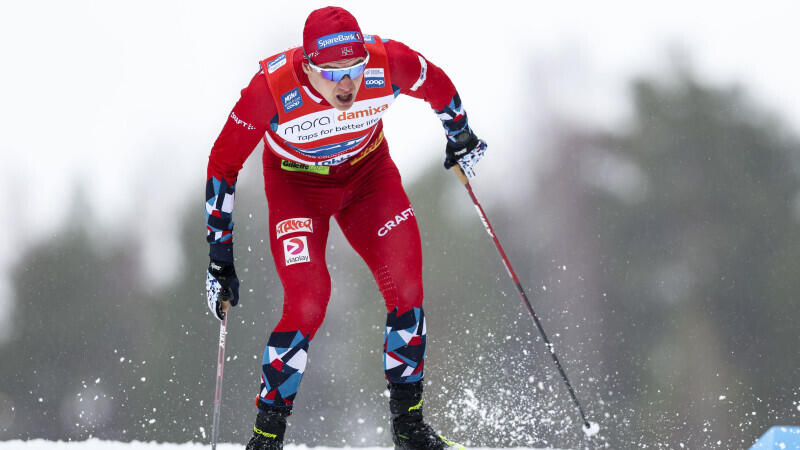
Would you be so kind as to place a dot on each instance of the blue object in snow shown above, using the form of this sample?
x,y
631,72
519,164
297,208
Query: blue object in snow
x,y
779,437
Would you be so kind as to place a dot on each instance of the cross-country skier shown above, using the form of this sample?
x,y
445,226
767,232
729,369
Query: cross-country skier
x,y
318,109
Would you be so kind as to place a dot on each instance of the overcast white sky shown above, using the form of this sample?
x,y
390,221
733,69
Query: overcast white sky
x,y
129,96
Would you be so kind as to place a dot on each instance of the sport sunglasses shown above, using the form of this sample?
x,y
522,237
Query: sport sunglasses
x,y
337,74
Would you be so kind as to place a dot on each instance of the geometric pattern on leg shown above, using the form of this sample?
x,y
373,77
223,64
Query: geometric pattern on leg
x,y
404,346
282,367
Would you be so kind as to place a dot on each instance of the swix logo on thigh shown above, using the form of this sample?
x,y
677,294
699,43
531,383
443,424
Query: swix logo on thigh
x,y
398,219
295,250
294,225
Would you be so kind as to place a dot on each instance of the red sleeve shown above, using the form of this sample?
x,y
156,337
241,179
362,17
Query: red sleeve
x,y
245,126
418,77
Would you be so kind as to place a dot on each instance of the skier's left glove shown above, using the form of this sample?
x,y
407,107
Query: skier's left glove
x,y
222,285
465,149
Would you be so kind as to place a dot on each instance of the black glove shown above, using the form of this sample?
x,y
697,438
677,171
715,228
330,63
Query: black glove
x,y
465,149
222,285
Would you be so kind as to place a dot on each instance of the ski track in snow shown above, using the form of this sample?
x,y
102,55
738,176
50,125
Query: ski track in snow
x,y
97,444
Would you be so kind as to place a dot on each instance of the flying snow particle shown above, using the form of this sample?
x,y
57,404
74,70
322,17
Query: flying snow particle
x,y
592,429
722,397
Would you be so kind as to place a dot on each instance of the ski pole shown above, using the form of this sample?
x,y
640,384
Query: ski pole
x,y
485,220
220,365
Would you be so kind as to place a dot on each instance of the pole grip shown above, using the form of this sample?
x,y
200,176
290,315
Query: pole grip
x,y
460,174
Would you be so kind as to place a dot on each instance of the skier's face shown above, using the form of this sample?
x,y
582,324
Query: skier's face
x,y
340,94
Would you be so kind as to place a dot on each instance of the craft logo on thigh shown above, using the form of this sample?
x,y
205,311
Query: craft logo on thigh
x,y
398,219
295,250
294,225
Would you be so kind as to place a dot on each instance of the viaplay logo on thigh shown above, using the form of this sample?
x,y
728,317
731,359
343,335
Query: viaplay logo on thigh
x,y
295,250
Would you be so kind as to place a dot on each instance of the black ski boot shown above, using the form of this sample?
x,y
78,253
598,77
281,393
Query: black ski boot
x,y
409,430
269,429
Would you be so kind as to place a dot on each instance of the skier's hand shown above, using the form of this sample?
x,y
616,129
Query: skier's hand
x,y
222,287
465,149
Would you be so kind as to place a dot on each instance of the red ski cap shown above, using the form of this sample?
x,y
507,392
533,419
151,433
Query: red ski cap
x,y
331,34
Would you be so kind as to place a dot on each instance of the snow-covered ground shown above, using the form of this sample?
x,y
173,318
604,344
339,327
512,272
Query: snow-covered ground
x,y
96,444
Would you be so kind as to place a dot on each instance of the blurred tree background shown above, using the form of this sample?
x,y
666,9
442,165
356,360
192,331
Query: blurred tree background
x,y
662,258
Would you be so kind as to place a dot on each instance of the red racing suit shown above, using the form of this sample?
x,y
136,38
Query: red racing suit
x,y
321,163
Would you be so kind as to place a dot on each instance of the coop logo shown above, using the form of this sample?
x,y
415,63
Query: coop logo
x,y
338,38
373,78
369,38
295,250
276,63
398,219
296,225
291,100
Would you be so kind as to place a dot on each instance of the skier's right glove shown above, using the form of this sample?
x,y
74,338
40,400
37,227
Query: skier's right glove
x,y
464,149
222,285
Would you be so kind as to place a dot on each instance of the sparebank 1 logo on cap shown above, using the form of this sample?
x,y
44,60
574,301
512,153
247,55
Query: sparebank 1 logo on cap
x,y
292,100
295,250
276,63
373,78
343,37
